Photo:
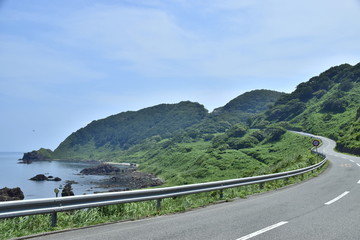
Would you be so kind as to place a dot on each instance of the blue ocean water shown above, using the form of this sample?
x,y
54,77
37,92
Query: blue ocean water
x,y
13,174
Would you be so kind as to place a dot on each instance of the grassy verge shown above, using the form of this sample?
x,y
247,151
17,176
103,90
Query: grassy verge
x,y
23,226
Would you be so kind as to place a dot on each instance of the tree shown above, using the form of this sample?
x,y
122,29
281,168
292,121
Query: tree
x,y
237,130
346,85
335,105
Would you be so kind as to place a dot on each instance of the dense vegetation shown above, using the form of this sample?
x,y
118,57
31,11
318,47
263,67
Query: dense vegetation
x,y
102,138
328,104
246,106
123,130
238,152
183,143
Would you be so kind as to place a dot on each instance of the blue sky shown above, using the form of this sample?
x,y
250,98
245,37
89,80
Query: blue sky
x,y
66,63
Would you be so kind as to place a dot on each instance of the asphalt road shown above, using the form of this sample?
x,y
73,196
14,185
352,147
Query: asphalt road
x,y
325,207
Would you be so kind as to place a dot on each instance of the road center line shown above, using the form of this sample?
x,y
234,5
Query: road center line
x,y
351,160
358,164
337,198
262,230
358,182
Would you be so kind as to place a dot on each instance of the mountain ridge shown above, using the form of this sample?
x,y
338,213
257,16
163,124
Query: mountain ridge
x,y
123,130
327,104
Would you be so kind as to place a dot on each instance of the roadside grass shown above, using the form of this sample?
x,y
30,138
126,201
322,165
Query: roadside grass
x,y
29,225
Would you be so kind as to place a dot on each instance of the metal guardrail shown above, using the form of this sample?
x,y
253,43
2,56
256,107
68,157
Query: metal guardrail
x,y
54,205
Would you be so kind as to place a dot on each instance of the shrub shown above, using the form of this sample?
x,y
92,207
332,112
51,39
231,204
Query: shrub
x,y
237,130
335,105
275,133
245,142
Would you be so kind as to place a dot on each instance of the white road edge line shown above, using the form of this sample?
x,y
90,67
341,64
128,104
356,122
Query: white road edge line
x,y
262,230
337,198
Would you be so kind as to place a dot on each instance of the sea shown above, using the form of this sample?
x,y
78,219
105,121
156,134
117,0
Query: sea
x,y
15,174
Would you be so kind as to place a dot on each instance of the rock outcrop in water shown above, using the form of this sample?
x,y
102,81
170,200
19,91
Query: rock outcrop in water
x,y
39,177
67,191
132,180
42,177
11,194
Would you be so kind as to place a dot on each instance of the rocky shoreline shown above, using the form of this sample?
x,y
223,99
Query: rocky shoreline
x,y
121,179
118,176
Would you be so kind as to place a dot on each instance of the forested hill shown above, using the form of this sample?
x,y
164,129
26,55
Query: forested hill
x,y
126,129
255,101
328,104
246,106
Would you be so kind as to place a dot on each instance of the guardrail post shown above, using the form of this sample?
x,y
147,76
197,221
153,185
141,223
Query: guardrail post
x,y
54,214
53,219
261,185
158,204
221,194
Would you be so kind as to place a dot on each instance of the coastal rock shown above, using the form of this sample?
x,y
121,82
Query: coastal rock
x,y
57,179
132,180
67,191
39,177
42,177
102,169
11,194
124,178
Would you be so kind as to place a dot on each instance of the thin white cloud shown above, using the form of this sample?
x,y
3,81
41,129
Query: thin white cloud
x,y
246,36
141,39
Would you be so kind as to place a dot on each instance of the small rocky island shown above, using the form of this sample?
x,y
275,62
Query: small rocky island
x,y
122,178
42,177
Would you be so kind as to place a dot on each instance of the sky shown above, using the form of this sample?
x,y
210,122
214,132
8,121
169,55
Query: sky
x,y
66,63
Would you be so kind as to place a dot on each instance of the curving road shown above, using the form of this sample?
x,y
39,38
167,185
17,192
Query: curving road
x,y
326,207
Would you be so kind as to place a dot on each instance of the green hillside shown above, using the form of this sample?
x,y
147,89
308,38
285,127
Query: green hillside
x,y
246,106
238,152
106,138
123,130
183,143
328,104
